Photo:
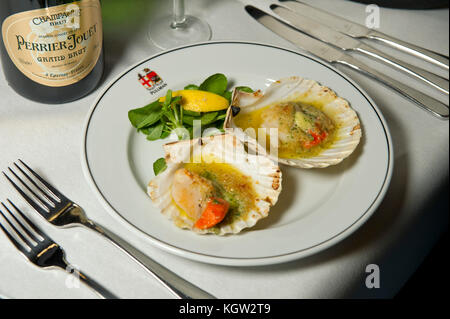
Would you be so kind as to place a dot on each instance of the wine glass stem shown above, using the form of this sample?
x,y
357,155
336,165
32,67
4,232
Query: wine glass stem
x,y
179,17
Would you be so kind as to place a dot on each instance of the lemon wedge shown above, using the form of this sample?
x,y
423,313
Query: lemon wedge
x,y
200,101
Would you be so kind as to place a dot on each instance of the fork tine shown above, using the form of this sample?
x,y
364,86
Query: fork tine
x,y
18,232
26,220
50,188
39,198
11,238
30,201
36,185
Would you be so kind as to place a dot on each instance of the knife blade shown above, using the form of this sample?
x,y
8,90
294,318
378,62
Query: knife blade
x,y
333,55
333,21
359,31
345,42
316,47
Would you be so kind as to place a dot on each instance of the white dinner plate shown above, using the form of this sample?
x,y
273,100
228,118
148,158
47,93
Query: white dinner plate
x,y
316,209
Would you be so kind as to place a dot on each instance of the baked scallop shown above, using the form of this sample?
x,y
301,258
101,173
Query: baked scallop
x,y
295,121
212,185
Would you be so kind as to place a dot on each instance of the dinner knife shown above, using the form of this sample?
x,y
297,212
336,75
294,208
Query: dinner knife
x,y
333,55
359,31
345,42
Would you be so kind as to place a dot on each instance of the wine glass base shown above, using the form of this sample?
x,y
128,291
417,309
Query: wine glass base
x,y
165,36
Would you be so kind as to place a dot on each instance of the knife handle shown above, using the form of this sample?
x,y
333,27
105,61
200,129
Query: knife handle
x,y
178,286
426,102
430,78
428,55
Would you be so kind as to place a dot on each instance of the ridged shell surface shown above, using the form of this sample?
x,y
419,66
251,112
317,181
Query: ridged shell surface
x,y
264,174
298,89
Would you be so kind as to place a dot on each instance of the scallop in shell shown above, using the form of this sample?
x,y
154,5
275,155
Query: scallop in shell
x,y
316,127
216,164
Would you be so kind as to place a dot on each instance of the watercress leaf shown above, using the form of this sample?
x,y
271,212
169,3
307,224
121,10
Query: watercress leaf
x,y
209,117
228,95
159,166
192,113
221,117
136,116
169,115
244,89
151,119
191,87
145,130
165,134
168,99
176,100
156,132
216,83
189,120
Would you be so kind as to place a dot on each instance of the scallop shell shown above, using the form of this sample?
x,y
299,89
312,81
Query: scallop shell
x,y
306,91
264,173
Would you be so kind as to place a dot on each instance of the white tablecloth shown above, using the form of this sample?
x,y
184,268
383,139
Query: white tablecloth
x,y
396,238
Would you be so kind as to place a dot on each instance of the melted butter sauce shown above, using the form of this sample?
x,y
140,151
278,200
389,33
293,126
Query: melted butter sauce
x,y
184,216
230,184
254,120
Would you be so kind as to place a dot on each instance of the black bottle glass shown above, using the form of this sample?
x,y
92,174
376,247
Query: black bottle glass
x,y
51,50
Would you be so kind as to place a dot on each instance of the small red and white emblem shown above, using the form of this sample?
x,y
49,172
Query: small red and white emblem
x,y
149,79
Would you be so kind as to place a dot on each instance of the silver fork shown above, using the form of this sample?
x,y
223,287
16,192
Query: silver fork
x,y
40,249
61,211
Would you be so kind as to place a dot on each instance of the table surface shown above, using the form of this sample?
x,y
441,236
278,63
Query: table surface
x,y
396,238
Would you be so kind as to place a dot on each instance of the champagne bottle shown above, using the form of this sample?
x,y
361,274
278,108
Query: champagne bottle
x,y
51,50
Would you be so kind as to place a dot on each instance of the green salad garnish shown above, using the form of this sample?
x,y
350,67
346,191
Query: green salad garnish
x,y
159,119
